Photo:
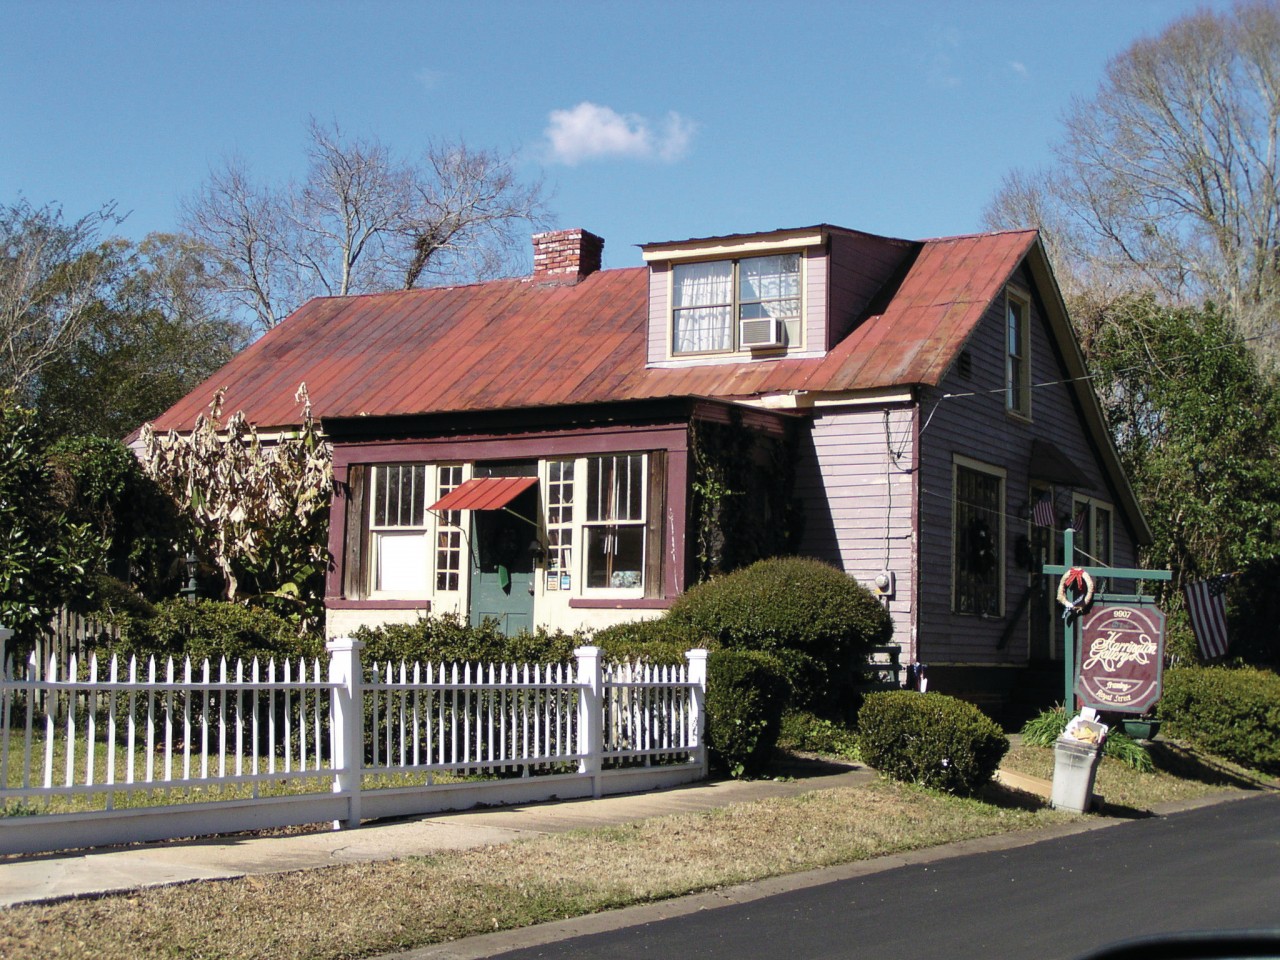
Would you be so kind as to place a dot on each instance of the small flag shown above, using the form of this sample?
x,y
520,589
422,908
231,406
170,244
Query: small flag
x,y
1080,522
1043,511
1207,604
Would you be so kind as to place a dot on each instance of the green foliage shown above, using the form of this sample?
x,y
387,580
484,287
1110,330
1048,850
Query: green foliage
x,y
99,482
1234,713
816,621
213,629
930,739
1044,728
1197,424
805,732
1253,610
44,557
153,336
648,641
746,694
448,638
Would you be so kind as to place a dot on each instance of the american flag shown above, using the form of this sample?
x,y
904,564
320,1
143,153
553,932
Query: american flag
x,y
1207,604
1042,513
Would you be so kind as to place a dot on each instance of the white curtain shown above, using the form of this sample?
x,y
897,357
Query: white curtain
x,y
703,307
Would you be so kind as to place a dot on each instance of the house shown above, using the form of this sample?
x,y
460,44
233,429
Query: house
x,y
575,448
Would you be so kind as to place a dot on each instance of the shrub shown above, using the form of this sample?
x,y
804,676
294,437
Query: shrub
x,y
448,638
1234,713
746,694
930,739
804,731
815,620
215,629
648,641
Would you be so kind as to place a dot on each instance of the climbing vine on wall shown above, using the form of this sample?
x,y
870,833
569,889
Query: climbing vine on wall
x,y
742,495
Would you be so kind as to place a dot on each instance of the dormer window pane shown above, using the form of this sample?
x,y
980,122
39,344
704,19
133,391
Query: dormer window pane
x,y
771,280
703,307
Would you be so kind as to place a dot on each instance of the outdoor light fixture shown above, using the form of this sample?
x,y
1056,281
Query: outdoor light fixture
x,y
193,567
536,550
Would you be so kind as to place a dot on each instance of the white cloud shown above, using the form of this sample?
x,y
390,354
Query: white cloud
x,y
1020,68
590,131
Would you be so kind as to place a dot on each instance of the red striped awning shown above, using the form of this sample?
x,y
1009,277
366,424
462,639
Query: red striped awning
x,y
484,493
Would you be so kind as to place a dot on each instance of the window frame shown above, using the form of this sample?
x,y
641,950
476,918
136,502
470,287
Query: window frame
x,y
1017,370
735,306
586,525
420,531
1095,557
1000,476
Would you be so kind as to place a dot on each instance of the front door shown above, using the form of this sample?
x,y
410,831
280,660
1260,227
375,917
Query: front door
x,y
502,560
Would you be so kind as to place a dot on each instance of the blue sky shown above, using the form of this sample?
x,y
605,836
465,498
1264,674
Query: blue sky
x,y
647,121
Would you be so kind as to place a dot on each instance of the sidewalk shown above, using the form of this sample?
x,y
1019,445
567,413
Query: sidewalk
x,y
45,877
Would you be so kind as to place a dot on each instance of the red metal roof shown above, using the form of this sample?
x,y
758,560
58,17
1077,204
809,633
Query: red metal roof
x,y
522,343
484,493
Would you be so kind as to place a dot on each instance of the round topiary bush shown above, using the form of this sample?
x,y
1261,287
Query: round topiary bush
x,y
930,739
746,694
817,621
1234,713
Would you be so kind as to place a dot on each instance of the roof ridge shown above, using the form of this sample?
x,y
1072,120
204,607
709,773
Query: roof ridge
x,y
980,235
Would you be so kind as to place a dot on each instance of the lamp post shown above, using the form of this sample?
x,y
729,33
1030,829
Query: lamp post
x,y
192,588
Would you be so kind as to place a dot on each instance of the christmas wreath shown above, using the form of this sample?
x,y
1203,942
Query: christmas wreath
x,y
1078,579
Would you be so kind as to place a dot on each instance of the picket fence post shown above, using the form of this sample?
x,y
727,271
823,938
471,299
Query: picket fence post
x,y
698,720
347,724
590,714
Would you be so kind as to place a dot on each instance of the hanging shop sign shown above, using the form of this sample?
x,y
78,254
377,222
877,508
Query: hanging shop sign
x,y
1121,657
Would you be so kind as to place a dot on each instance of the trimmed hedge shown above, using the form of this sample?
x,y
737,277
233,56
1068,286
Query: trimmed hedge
x,y
818,622
746,694
1234,713
214,629
930,739
447,638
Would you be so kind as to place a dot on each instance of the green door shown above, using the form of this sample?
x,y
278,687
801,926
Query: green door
x,y
502,564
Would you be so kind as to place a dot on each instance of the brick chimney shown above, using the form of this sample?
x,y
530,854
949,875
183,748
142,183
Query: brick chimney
x,y
566,254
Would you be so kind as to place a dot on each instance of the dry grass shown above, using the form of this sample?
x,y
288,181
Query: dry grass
x,y
374,908
1181,774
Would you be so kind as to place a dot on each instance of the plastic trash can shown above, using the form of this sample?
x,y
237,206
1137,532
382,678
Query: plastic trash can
x,y
1075,763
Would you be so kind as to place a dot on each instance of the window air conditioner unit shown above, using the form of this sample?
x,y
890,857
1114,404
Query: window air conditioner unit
x,y
762,332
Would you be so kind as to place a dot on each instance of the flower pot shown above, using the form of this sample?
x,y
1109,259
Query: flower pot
x,y
1141,728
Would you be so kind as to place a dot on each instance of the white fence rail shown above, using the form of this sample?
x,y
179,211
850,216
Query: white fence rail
x,y
112,751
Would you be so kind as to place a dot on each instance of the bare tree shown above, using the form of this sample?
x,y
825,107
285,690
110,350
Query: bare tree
x,y
1169,178
51,274
361,221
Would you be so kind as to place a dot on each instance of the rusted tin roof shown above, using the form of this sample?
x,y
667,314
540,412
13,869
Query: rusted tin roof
x,y
521,343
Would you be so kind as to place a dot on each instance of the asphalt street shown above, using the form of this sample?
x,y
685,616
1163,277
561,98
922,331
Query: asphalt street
x,y
1214,867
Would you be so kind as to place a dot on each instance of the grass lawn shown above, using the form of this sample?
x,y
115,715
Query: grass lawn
x,y
376,908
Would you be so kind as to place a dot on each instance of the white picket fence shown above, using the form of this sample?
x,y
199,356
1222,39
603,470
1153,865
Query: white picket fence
x,y
147,751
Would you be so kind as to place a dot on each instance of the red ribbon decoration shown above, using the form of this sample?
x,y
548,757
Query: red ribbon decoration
x,y
1075,578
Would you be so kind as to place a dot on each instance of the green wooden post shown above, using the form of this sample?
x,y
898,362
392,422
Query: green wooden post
x,y
1072,633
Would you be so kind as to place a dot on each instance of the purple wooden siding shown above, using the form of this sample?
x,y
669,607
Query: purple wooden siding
x,y
858,501
817,271
659,311
860,266
976,425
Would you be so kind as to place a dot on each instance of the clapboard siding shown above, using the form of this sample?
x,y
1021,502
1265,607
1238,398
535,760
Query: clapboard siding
x,y
973,422
659,310
858,501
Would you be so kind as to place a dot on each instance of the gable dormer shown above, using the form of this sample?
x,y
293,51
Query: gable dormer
x,y
762,296
738,298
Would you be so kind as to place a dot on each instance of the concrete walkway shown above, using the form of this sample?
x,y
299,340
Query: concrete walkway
x,y
48,877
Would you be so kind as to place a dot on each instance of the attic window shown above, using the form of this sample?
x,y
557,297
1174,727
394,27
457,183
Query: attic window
x,y
1018,355
722,306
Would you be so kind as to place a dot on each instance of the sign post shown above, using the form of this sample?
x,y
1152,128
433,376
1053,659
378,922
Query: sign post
x,y
1136,602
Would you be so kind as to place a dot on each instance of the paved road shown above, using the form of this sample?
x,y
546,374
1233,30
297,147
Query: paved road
x,y
1217,866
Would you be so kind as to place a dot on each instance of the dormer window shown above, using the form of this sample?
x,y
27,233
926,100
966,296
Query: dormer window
x,y
723,306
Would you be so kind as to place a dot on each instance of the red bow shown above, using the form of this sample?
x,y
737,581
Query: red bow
x,y
1075,578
